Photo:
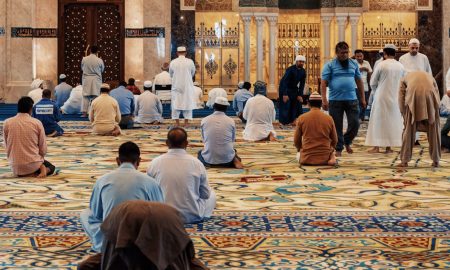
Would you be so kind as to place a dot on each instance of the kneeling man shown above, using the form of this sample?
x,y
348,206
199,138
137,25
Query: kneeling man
x,y
105,113
49,114
315,135
183,179
219,135
123,184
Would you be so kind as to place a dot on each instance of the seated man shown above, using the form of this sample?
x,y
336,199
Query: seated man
x,y
49,114
125,98
213,94
260,114
199,96
105,113
25,144
62,91
444,107
37,86
74,104
183,179
132,87
148,106
157,240
315,135
219,135
240,98
123,184
445,138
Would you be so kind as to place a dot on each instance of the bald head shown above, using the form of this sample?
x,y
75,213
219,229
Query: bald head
x,y
177,138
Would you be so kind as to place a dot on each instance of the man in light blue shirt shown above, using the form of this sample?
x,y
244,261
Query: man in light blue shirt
x,y
125,98
183,179
342,76
123,184
62,91
219,135
240,98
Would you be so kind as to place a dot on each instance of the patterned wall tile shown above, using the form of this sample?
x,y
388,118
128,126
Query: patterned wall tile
x,y
404,5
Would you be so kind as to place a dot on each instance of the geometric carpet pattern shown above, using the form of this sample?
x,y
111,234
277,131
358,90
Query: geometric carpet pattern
x,y
273,214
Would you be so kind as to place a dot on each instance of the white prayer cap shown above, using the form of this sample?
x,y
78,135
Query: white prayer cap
x,y
414,41
105,86
196,84
380,51
315,96
36,83
148,84
222,101
181,49
240,85
300,58
62,76
390,46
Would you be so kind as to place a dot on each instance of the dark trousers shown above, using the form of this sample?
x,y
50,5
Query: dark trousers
x,y
362,110
47,165
290,110
126,122
445,141
337,108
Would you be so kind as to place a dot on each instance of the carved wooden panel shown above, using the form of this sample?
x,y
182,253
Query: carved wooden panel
x,y
214,5
108,41
75,37
389,5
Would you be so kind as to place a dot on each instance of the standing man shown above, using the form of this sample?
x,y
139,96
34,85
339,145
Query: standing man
x,y
62,91
414,60
385,125
366,72
342,76
291,91
182,70
92,67
419,104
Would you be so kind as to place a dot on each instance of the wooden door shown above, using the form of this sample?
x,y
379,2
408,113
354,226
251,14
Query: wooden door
x,y
84,23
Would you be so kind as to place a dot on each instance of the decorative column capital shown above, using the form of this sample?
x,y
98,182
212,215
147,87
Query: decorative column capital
x,y
354,19
273,20
246,18
341,19
259,19
326,18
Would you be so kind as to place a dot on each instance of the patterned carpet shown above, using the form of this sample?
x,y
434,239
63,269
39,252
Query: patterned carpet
x,y
362,214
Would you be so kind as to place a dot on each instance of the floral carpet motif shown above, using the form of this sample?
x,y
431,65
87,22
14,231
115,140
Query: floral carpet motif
x,y
274,214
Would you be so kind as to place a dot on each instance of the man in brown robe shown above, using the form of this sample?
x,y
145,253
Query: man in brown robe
x,y
144,235
419,104
315,135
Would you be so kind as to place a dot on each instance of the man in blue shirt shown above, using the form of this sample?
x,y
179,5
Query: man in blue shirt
x,y
125,98
240,98
49,114
123,184
342,76
291,91
62,91
219,135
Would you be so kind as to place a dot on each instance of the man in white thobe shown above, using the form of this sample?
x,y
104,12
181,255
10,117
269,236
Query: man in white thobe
x,y
92,67
260,113
444,108
74,103
162,79
182,70
37,87
148,106
213,94
199,96
386,123
183,179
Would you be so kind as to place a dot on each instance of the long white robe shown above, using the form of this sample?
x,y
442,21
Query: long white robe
x,y
418,62
386,123
36,95
75,102
162,78
260,114
213,94
92,68
182,70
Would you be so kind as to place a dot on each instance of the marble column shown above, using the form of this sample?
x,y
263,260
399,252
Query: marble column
x,y
134,47
273,23
326,21
341,20
259,47
247,20
354,19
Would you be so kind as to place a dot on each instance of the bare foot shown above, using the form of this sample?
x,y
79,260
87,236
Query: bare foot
x,y
272,138
376,149
53,134
84,115
349,149
402,165
338,154
435,164
445,150
237,163
43,172
388,150
116,132
332,160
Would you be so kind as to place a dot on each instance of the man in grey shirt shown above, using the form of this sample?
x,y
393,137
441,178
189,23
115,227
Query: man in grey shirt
x,y
219,134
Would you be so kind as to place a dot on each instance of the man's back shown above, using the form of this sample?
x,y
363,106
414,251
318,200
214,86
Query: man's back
x,y
74,103
48,113
62,93
218,133
25,143
148,108
36,95
317,128
125,98
240,97
183,180
213,94
105,110
162,79
92,65
260,114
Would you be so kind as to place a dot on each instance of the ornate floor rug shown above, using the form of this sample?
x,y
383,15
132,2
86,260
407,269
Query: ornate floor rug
x,y
362,214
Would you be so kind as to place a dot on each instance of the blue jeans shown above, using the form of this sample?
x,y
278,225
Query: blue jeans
x,y
351,109
362,111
